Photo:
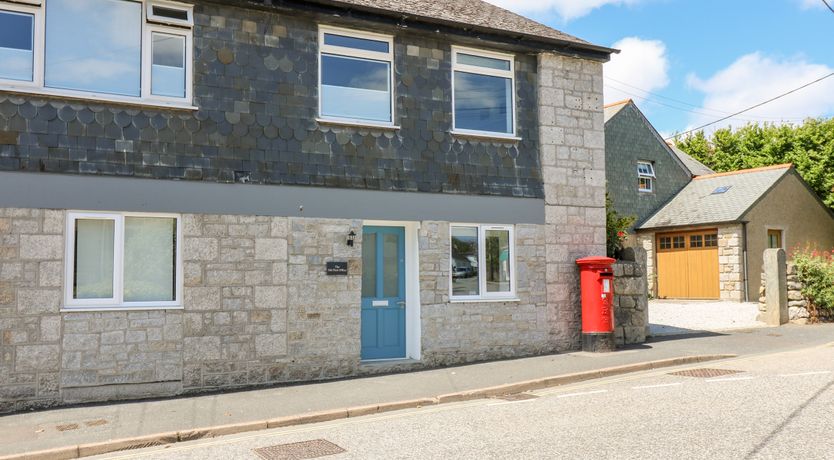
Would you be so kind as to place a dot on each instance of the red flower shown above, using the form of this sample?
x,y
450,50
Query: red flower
x,y
621,234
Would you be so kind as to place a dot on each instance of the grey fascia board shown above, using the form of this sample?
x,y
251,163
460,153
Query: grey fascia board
x,y
98,193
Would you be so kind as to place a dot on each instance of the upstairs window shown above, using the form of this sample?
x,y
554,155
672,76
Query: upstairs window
x,y
483,87
17,42
645,176
355,77
119,50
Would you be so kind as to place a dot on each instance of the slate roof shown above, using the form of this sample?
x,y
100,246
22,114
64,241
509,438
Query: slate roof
x,y
475,14
694,166
697,203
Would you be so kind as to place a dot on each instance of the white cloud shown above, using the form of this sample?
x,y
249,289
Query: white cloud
x,y
641,64
566,9
810,4
755,78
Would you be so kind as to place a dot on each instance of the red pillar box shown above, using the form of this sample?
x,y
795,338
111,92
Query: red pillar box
x,y
597,284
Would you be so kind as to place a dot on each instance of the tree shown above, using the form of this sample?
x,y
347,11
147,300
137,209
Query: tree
x,y
809,146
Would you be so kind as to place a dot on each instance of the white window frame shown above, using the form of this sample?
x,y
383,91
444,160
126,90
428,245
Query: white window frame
x,y
361,54
38,85
37,44
484,295
147,57
188,9
117,301
490,72
650,177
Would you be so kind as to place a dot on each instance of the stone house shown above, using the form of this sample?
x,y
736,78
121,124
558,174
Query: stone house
x,y
708,241
704,233
643,171
220,194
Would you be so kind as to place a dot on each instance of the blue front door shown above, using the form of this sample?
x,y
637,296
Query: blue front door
x,y
383,292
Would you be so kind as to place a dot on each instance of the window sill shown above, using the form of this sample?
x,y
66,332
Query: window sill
x,y
105,308
356,124
496,300
485,136
95,97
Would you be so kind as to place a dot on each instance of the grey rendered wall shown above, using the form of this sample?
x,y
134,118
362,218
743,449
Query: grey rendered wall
x,y
255,87
628,138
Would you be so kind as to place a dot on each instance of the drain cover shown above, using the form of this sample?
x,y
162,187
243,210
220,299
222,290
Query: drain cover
x,y
705,373
299,450
517,397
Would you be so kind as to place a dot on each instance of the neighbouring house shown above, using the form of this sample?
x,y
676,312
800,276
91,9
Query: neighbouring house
x,y
708,241
643,172
704,233
219,194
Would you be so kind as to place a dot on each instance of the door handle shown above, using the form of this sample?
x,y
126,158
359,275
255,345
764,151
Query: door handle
x,y
401,303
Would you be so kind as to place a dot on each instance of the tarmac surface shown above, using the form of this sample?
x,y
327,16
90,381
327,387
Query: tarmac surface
x,y
762,407
26,432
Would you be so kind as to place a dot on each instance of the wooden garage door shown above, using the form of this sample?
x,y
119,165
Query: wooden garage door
x,y
687,265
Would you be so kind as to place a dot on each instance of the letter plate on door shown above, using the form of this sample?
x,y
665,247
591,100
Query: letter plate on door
x,y
379,303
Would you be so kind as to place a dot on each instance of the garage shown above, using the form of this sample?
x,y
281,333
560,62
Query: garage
x,y
687,265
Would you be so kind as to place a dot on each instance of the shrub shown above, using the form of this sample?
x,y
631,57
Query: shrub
x,y
616,228
815,270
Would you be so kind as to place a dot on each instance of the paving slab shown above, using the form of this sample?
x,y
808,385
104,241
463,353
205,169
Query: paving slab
x,y
34,431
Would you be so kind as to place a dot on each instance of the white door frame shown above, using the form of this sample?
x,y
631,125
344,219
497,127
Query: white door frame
x,y
413,329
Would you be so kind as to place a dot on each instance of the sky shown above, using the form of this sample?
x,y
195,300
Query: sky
x,y
689,62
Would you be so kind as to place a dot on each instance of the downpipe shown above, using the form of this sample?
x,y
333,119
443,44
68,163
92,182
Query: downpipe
x,y
744,258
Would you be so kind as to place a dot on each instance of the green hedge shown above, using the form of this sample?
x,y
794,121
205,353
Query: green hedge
x,y
815,269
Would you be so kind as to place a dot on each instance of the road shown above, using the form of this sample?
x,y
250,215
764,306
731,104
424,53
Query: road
x,y
778,406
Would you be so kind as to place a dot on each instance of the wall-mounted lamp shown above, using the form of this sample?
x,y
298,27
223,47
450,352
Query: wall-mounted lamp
x,y
351,237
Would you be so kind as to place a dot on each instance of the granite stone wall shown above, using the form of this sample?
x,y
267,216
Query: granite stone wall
x,y
800,309
573,163
256,97
258,309
731,262
457,332
631,298
31,272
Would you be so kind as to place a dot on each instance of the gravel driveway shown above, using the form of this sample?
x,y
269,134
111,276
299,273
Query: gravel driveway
x,y
667,317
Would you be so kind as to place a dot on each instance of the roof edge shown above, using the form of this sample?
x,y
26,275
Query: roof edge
x,y
785,166
604,51
661,228
623,102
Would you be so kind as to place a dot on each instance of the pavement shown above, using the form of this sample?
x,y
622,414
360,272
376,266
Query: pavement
x,y
773,406
667,317
35,431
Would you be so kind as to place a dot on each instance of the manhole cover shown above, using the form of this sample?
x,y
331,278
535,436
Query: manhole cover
x,y
705,373
517,397
299,450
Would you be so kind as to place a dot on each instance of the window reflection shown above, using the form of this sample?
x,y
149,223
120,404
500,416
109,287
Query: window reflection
x,y
168,66
16,46
497,268
465,261
483,103
355,88
94,45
